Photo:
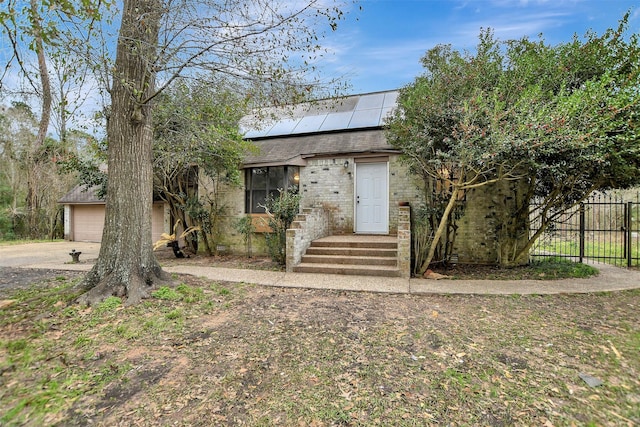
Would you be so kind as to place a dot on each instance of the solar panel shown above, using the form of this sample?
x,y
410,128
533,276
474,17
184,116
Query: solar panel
x,y
283,127
336,121
351,112
365,118
310,124
368,102
390,99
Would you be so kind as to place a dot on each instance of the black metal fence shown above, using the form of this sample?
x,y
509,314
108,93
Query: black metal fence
x,y
604,228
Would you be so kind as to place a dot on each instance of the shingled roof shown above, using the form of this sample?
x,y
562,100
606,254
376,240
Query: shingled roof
x,y
351,125
80,194
293,150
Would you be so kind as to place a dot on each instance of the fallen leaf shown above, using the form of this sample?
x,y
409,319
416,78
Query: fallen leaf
x,y
615,350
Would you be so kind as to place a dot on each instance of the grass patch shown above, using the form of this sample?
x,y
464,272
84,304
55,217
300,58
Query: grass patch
x,y
545,269
167,293
609,251
237,354
181,292
561,268
109,305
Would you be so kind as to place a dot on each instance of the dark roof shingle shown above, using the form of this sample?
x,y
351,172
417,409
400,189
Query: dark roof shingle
x,y
292,150
80,194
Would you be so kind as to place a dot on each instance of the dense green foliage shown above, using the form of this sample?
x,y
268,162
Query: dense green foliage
x,y
561,120
30,169
282,210
39,35
197,145
244,226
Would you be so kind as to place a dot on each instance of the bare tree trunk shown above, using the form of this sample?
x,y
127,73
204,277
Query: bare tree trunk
x,y
441,228
127,266
33,166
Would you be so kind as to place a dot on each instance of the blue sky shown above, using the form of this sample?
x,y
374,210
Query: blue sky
x,y
379,47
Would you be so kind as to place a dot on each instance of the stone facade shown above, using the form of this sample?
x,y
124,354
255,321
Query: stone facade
x,y
311,224
324,183
403,187
487,208
327,186
327,183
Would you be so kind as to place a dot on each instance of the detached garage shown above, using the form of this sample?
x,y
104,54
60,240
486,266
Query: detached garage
x,y
84,216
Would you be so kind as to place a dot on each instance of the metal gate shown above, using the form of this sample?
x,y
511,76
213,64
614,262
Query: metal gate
x,y
604,229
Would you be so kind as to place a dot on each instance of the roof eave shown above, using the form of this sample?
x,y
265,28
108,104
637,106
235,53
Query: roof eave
x,y
325,132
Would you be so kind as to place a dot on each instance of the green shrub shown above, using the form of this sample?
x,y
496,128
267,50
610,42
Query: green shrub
x,y
109,304
167,293
282,210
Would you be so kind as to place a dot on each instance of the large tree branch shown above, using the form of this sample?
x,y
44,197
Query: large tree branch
x,y
247,38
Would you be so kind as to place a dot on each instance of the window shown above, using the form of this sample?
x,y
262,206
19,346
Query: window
x,y
260,182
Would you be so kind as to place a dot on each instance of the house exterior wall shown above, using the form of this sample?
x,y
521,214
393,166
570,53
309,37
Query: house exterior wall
x,y
486,207
326,183
404,187
231,198
67,222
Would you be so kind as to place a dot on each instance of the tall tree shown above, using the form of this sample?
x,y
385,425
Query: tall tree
x,y
34,27
575,121
18,127
445,127
18,130
270,45
198,145
126,265
562,120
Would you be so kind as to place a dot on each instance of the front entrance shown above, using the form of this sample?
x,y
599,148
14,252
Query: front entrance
x,y
372,198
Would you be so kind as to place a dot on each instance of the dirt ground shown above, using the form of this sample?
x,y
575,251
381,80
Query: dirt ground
x,y
14,278
167,258
209,353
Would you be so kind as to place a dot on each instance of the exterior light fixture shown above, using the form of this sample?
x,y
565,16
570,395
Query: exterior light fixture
x,y
346,164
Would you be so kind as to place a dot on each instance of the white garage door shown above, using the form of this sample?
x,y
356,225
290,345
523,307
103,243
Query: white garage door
x,y
88,221
157,221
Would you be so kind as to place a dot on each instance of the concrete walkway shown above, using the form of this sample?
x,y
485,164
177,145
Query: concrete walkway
x,y
610,279
55,255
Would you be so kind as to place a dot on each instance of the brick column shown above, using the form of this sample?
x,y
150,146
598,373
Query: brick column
x,y
404,241
311,224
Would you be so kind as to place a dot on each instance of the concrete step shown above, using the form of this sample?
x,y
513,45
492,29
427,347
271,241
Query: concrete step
x,y
352,251
362,255
368,270
353,260
346,243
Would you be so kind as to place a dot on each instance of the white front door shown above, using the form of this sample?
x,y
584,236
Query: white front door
x,y
372,198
